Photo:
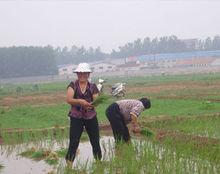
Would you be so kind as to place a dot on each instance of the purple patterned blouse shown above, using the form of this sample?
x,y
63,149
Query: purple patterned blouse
x,y
78,111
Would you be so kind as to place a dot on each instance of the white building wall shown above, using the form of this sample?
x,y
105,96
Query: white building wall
x,y
216,62
103,67
66,69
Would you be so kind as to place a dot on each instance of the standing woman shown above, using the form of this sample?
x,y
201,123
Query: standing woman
x,y
80,94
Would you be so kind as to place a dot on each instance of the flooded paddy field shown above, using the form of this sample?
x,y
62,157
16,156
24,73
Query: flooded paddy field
x,y
180,133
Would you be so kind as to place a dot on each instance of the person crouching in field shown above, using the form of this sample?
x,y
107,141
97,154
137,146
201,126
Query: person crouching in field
x,y
123,112
80,95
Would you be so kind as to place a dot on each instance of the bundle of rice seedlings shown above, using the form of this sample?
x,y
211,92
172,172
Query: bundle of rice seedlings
x,y
100,99
147,132
49,156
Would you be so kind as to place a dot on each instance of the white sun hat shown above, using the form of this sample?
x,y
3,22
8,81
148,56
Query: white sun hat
x,y
83,67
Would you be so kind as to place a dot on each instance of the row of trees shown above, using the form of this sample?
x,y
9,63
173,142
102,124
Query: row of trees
x,y
170,44
27,61
167,44
78,54
30,61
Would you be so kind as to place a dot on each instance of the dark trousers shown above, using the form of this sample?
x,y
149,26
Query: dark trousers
x,y
76,129
119,128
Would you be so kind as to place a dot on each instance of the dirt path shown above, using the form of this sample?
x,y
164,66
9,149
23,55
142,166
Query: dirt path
x,y
39,99
161,135
173,86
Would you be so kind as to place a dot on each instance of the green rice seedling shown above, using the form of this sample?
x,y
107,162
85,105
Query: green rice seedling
x,y
152,157
49,156
37,155
147,132
16,137
205,126
61,153
100,100
52,158
29,152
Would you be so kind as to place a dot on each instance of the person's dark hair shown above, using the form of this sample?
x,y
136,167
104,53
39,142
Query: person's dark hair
x,y
146,102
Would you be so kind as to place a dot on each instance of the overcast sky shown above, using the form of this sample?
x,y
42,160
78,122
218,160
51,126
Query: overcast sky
x,y
107,24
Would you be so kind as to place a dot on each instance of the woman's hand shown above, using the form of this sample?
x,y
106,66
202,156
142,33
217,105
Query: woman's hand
x,y
85,104
136,128
134,123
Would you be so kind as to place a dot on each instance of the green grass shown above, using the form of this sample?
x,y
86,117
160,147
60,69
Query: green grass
x,y
206,152
207,126
47,116
43,116
62,152
27,89
193,94
58,134
155,80
175,107
34,116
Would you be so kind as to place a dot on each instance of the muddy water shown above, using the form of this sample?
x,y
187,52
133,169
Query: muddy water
x,y
15,164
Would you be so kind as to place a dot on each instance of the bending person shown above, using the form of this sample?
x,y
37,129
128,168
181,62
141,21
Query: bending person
x,y
123,112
